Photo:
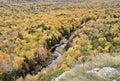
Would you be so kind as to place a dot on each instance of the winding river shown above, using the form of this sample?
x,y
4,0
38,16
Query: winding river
x,y
58,53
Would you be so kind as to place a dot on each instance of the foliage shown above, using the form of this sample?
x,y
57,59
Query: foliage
x,y
28,30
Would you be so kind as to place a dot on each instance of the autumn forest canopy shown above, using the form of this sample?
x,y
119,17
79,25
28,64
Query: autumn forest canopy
x,y
41,39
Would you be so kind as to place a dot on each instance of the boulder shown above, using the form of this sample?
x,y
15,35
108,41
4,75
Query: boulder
x,y
105,71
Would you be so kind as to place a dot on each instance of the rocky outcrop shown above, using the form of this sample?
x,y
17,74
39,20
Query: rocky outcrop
x,y
105,71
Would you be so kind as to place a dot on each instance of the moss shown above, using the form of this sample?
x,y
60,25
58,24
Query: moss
x,y
117,66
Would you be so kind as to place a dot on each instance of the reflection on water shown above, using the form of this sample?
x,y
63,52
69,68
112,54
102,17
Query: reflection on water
x,y
63,45
58,56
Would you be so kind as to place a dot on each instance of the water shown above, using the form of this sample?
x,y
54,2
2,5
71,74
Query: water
x,y
63,45
58,56
56,59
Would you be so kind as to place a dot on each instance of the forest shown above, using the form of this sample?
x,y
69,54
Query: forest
x,y
41,39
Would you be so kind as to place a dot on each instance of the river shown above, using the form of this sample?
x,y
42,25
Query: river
x,y
58,53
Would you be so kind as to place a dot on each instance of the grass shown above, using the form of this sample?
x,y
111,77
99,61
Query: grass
x,y
78,73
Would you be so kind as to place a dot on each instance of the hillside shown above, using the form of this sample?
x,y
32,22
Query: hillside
x,y
41,40
98,69
21,1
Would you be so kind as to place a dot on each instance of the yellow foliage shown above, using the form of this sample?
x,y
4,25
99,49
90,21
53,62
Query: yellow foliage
x,y
102,39
44,52
95,50
20,79
68,58
89,46
28,77
44,71
64,67
80,58
108,44
106,48
116,39
17,62
99,48
60,61
114,29
89,24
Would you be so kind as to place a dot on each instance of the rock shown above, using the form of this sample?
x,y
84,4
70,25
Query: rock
x,y
107,71
104,71
94,70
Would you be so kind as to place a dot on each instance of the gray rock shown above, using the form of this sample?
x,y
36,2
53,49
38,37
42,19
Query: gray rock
x,y
104,71
96,70
107,71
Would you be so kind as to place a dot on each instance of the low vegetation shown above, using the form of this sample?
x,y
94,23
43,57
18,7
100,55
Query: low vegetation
x,y
30,31
79,72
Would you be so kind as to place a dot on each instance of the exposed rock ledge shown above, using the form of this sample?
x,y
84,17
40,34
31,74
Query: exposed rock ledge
x,y
105,71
